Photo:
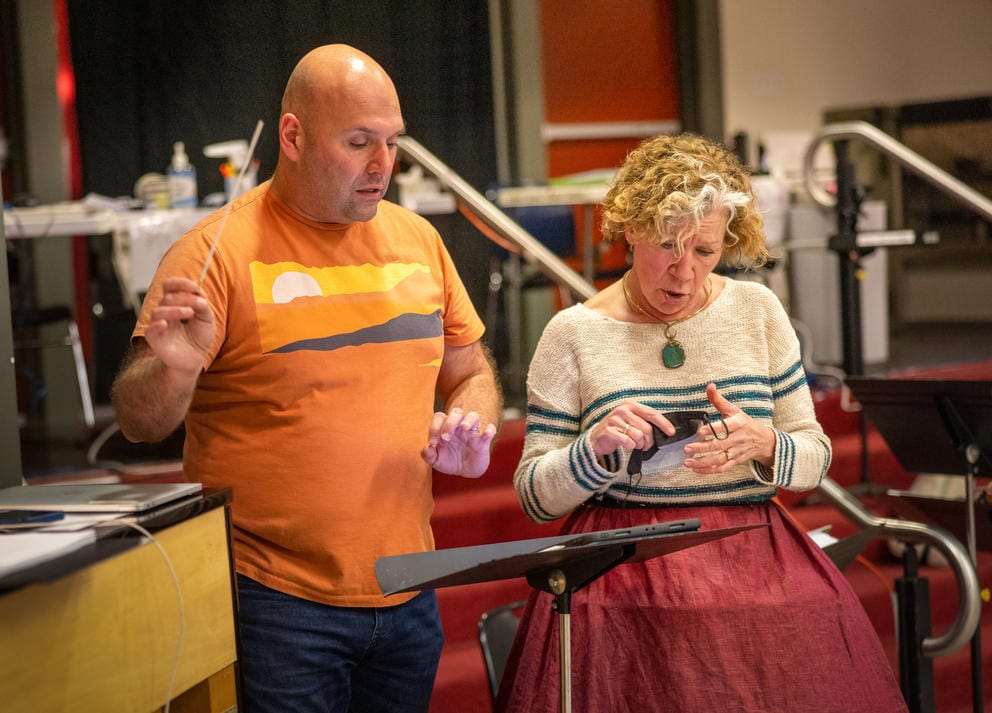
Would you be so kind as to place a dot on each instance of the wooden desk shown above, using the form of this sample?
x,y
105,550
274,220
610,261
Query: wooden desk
x,y
104,637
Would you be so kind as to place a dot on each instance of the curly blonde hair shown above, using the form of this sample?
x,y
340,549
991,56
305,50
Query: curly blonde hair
x,y
669,184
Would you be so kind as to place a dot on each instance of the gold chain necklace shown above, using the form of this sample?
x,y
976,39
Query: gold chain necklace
x,y
673,353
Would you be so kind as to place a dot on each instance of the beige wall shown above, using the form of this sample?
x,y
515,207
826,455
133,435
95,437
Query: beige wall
x,y
786,61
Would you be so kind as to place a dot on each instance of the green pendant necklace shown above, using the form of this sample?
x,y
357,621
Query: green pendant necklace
x,y
673,353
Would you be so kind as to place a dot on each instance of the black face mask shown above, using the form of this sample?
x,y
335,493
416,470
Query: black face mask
x,y
686,424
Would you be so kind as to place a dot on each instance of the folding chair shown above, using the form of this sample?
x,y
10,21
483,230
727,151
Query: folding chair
x,y
497,627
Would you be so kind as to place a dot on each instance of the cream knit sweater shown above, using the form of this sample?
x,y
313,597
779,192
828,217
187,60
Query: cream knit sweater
x,y
586,363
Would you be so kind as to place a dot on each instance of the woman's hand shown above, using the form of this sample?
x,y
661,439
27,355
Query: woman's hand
x,y
628,426
737,439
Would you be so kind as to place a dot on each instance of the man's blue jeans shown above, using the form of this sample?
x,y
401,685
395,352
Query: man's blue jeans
x,y
299,656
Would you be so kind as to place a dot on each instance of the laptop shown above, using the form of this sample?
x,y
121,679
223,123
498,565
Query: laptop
x,y
89,497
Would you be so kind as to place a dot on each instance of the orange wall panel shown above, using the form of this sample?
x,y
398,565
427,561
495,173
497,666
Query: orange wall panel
x,y
605,62
608,61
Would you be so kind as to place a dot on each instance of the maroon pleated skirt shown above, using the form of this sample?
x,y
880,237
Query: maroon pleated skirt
x,y
761,622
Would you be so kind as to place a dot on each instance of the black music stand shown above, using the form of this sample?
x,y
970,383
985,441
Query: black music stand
x,y
846,550
937,427
551,564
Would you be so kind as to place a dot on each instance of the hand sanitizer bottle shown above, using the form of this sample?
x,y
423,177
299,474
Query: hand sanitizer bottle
x,y
182,178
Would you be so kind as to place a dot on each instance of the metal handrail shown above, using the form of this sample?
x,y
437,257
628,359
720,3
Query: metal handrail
x,y
969,606
925,169
532,250
548,263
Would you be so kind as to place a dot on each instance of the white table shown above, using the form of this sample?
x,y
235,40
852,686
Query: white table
x,y
57,220
141,238
586,195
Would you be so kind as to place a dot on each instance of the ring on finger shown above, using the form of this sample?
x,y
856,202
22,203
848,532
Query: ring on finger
x,y
727,453
626,427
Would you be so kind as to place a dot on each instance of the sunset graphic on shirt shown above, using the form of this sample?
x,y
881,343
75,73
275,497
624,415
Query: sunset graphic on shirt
x,y
327,308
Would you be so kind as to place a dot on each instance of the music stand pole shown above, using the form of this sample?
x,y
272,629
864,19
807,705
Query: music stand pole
x,y
561,581
845,244
967,444
972,453
977,696
557,583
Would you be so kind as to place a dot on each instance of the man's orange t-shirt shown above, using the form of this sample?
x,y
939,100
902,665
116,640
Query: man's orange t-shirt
x,y
319,390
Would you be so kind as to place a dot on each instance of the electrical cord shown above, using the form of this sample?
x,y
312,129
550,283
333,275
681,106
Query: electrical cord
x,y
179,601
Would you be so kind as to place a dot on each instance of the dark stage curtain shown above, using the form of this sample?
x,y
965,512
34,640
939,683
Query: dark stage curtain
x,y
151,72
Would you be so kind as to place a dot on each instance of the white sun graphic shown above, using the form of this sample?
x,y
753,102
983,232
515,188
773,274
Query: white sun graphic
x,y
290,285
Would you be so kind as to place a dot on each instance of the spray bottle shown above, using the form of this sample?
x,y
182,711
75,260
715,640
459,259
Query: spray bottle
x,y
182,178
234,152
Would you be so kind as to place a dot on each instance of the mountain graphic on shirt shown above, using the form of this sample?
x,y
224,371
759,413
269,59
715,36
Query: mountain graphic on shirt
x,y
328,308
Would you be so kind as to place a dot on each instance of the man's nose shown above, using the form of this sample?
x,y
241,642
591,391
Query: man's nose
x,y
381,160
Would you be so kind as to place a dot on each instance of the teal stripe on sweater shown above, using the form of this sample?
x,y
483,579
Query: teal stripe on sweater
x,y
531,504
583,468
786,457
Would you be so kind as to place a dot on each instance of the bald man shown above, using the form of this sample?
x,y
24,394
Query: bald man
x,y
306,367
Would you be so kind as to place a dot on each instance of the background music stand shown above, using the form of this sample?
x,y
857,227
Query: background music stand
x,y
551,564
937,427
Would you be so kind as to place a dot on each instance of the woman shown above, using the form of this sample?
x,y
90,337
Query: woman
x,y
757,621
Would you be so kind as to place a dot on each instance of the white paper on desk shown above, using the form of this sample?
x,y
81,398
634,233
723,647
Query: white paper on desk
x,y
20,550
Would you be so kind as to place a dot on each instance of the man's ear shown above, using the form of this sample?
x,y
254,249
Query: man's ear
x,y
290,136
